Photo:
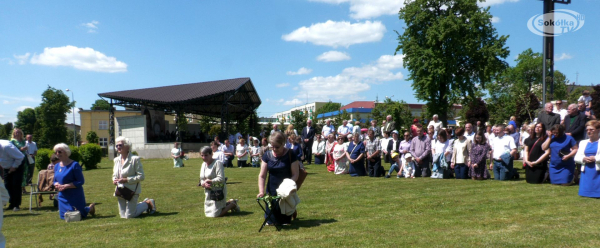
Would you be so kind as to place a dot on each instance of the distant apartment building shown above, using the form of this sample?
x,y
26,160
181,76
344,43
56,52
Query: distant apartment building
x,y
307,109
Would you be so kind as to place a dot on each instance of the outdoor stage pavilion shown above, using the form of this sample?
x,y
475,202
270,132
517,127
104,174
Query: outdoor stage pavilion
x,y
230,100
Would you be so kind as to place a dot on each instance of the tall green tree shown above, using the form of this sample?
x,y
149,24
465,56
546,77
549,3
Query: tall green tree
x,y
101,104
52,114
5,130
399,111
299,119
451,49
26,120
328,107
477,111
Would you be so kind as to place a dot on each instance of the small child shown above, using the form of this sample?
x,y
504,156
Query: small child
x,y
255,153
587,99
396,165
408,167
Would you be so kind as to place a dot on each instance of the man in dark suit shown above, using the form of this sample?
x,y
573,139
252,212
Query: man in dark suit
x,y
575,123
389,125
548,117
308,136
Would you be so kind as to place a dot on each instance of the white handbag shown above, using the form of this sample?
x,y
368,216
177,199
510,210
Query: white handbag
x,y
71,216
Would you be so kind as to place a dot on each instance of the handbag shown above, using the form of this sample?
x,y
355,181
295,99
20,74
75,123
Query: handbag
x,y
216,195
125,192
74,215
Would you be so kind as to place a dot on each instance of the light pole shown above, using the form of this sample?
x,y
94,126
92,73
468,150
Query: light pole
x,y
74,132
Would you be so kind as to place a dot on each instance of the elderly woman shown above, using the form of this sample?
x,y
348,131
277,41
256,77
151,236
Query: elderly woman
x,y
280,163
339,156
127,175
535,159
68,180
355,155
176,155
460,155
562,150
212,179
293,143
589,156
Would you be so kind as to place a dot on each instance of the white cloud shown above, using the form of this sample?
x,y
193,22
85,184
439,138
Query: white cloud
x,y
301,71
495,19
293,102
21,99
333,56
282,85
295,88
495,2
366,9
5,102
563,56
336,34
353,80
22,59
91,26
79,58
21,108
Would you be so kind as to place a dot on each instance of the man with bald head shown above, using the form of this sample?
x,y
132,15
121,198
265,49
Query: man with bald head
x,y
308,136
389,125
547,117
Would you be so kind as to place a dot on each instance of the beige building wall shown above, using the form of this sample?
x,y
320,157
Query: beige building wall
x,y
98,121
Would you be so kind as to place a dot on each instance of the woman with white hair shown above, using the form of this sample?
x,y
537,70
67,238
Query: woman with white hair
x,y
68,180
436,124
212,179
127,175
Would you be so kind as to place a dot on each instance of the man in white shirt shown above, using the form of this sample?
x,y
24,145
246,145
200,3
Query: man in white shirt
x,y
11,160
350,126
343,130
503,151
31,151
228,150
561,111
327,129
436,123
469,133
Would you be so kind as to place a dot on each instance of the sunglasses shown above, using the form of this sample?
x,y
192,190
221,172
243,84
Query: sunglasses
x,y
58,152
119,145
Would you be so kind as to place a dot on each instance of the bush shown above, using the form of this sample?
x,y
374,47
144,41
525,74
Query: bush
x,y
134,153
42,159
92,137
75,155
91,155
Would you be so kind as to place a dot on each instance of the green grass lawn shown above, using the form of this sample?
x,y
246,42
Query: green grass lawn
x,y
335,211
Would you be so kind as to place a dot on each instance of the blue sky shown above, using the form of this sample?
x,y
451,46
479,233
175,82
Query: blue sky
x,y
293,50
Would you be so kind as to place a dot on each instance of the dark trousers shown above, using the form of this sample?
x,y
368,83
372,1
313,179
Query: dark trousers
x,y
461,171
13,182
242,163
30,172
422,169
229,162
307,151
374,167
319,159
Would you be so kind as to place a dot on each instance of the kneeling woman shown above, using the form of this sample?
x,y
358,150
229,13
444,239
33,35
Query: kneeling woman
x,y
127,175
212,179
68,180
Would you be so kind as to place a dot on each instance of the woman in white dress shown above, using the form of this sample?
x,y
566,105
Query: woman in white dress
x,y
241,152
339,155
212,179
176,155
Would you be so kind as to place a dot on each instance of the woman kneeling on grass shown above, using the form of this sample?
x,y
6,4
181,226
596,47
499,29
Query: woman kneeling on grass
x,y
127,175
212,179
68,180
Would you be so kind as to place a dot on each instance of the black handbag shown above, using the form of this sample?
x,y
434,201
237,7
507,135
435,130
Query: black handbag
x,y
216,195
125,192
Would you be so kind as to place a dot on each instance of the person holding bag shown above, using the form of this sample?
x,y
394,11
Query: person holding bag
x,y
68,180
127,175
212,179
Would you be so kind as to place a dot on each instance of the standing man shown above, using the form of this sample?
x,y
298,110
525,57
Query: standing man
x,y
560,111
389,125
420,149
32,152
327,129
503,151
350,126
11,159
548,117
469,133
275,129
308,136
436,123
343,130
375,128
373,150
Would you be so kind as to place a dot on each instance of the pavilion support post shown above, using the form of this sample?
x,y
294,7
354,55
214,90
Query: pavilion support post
x,y
224,122
177,132
111,131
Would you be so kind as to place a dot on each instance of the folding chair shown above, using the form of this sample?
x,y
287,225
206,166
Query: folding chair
x,y
35,188
265,200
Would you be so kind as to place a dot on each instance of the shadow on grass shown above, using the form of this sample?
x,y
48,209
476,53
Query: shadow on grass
x,y
27,214
308,223
157,214
240,213
101,217
234,182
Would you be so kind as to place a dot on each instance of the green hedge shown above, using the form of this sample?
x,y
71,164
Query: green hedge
x,y
91,155
42,159
75,154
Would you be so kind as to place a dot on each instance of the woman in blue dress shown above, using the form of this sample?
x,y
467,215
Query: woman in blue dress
x,y
562,150
280,163
68,180
355,154
589,184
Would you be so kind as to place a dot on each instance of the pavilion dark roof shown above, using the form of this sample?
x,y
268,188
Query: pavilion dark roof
x,y
204,98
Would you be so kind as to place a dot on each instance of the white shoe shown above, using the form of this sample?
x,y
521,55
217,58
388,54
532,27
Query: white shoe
x,y
153,206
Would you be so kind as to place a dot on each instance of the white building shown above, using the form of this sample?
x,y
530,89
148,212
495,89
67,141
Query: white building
x,y
308,109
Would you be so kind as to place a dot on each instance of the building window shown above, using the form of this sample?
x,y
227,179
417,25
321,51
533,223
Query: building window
x,y
103,125
103,142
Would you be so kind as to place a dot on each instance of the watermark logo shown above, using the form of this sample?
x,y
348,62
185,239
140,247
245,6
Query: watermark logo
x,y
564,21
